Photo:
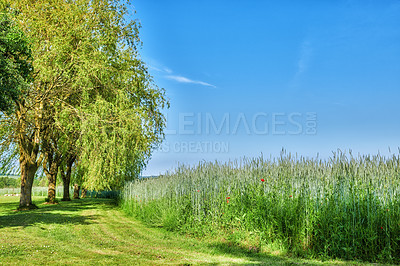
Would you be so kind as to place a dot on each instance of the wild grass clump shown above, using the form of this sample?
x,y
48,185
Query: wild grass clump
x,y
344,207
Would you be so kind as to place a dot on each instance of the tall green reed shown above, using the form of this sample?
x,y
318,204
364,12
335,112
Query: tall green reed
x,y
346,207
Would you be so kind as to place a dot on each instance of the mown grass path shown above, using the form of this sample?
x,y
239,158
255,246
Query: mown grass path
x,y
96,232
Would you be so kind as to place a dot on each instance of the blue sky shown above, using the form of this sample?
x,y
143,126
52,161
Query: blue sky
x,y
252,77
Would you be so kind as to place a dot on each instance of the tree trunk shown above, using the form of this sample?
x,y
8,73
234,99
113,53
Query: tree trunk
x,y
66,181
51,191
51,164
28,145
66,177
83,194
27,135
27,175
51,173
76,191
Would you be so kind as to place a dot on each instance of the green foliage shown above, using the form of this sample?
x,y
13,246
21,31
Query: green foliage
x,y
121,136
40,181
9,182
105,194
120,112
15,66
344,207
92,96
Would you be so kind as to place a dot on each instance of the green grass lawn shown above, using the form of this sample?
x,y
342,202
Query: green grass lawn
x,y
95,231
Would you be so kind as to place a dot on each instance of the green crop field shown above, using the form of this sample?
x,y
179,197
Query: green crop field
x,y
344,207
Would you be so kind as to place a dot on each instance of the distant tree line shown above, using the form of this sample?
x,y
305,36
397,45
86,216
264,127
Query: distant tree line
x,y
9,182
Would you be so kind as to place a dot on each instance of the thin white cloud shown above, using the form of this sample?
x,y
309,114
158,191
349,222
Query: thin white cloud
x,y
302,64
157,66
154,68
304,58
167,70
169,74
182,79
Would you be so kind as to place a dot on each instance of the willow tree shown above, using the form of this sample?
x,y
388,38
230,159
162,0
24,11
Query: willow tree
x,y
90,82
118,115
120,135
122,124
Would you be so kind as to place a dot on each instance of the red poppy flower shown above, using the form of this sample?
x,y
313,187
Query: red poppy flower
x,y
381,227
228,197
198,190
262,179
290,196
227,201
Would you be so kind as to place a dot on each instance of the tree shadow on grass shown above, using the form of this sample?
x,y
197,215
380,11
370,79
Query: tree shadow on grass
x,y
255,257
26,219
73,205
63,213
78,205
